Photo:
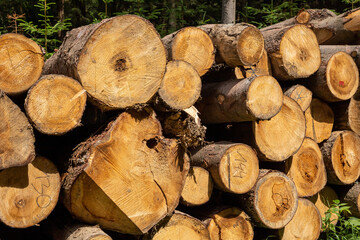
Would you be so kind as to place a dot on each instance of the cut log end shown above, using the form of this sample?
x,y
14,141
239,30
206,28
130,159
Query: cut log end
x,y
306,223
181,85
55,104
28,193
281,136
250,46
303,17
231,223
123,62
194,46
301,95
21,63
342,76
306,168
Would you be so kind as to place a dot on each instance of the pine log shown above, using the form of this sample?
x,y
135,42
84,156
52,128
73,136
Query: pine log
x,y
352,197
306,168
55,104
262,68
16,135
233,167
198,187
323,200
28,193
337,78
231,224
341,154
127,178
306,223
236,44
319,120
280,137
181,226
352,50
236,101
272,202
301,95
21,63
193,45
347,114
181,85
294,51
119,61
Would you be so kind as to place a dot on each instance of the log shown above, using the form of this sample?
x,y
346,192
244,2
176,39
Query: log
x,y
294,51
273,200
262,68
79,231
352,50
352,197
301,95
193,45
234,167
306,223
55,104
236,101
337,78
198,187
29,193
127,178
236,44
21,63
181,85
230,223
119,61
306,168
16,135
341,154
319,120
280,137
323,200
181,226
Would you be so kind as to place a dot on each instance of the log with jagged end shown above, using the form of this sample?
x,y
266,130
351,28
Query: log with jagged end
x,y
236,44
280,137
119,61
193,45
294,51
306,223
230,223
127,178
28,193
352,197
323,201
319,120
341,154
301,95
55,104
198,187
234,167
21,63
180,226
272,202
181,85
306,168
337,78
262,68
16,135
235,100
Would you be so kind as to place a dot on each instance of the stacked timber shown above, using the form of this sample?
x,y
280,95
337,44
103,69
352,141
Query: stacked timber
x,y
211,132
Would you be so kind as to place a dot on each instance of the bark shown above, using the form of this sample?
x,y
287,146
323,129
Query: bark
x,y
228,13
352,197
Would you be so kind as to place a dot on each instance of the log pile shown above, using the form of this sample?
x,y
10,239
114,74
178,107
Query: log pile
x,y
211,132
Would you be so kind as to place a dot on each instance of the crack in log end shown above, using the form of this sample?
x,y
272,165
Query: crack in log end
x,y
217,226
281,202
151,143
303,54
345,164
120,65
162,191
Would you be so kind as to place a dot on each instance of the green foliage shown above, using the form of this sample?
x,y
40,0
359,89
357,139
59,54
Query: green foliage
x,y
351,2
345,229
44,33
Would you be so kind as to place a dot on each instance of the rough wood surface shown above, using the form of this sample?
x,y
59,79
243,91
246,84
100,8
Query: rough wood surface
x,y
301,95
352,197
127,178
341,154
16,135
119,61
306,168
352,50
294,51
240,100
29,193
193,45
55,104
262,68
21,63
79,231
